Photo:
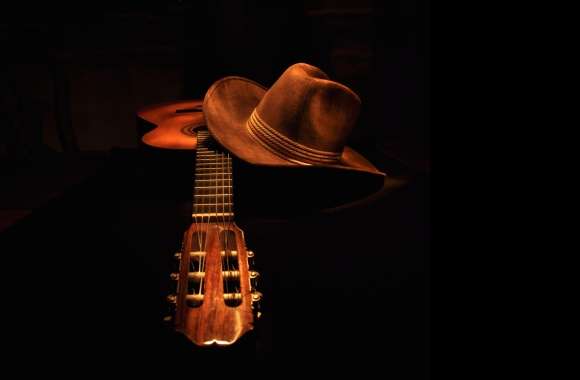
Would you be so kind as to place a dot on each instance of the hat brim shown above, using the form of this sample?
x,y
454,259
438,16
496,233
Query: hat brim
x,y
227,106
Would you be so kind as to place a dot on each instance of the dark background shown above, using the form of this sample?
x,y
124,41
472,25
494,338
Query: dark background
x,y
89,219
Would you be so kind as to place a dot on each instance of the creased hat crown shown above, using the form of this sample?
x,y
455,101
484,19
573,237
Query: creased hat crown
x,y
305,116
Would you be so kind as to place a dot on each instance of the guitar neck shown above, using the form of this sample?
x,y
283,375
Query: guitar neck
x,y
213,183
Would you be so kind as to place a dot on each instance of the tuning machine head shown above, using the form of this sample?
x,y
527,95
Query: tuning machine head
x,y
256,296
256,303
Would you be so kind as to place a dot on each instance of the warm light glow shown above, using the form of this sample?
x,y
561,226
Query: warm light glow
x,y
218,342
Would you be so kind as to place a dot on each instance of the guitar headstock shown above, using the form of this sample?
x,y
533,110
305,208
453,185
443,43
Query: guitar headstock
x,y
216,298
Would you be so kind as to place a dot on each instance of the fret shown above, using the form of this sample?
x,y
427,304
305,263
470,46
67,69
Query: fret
x,y
204,171
213,182
214,191
212,210
213,207
210,214
203,209
212,217
213,204
214,166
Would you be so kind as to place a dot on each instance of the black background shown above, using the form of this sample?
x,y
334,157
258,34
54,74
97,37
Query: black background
x,y
90,219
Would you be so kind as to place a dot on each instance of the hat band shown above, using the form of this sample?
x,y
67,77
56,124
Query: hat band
x,y
282,146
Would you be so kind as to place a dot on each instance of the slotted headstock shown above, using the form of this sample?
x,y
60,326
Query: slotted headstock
x,y
215,303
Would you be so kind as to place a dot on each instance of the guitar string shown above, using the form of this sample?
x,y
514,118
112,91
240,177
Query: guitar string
x,y
230,224
230,220
191,266
202,258
195,216
212,168
223,240
208,207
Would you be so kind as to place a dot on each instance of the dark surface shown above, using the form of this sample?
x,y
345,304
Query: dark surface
x,y
89,223
86,275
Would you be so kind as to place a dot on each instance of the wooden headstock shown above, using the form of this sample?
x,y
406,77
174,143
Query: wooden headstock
x,y
215,303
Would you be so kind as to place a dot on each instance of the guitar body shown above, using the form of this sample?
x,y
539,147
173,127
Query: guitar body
x,y
171,125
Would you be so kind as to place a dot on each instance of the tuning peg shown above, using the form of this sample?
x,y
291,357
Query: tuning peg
x,y
174,276
256,296
256,303
254,279
177,255
168,319
250,255
254,274
172,298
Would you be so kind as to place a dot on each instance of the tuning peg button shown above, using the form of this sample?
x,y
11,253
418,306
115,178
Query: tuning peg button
x,y
172,298
177,255
250,253
256,296
174,276
254,274
256,304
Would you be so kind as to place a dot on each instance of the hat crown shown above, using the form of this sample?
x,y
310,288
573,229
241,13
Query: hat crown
x,y
307,108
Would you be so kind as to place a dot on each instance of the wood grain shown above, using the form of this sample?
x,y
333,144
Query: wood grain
x,y
213,322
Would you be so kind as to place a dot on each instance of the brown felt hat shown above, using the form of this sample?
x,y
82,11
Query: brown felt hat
x,y
304,119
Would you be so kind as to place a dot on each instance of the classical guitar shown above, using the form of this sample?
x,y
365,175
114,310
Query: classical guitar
x,y
216,299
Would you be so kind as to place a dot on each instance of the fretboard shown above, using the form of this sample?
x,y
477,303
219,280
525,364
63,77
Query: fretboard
x,y
213,190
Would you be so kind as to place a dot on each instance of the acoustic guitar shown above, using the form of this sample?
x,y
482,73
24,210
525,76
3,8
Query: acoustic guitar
x,y
216,300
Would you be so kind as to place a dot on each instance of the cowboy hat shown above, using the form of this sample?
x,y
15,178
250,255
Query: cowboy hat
x,y
303,120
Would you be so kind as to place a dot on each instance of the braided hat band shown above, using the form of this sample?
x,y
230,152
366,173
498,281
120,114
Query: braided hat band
x,y
284,147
